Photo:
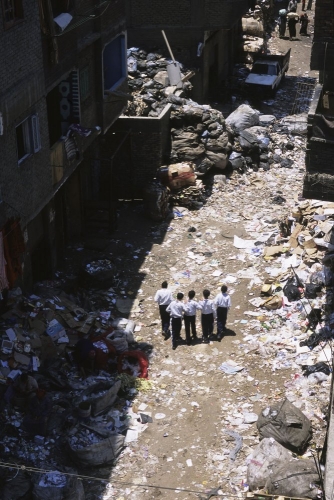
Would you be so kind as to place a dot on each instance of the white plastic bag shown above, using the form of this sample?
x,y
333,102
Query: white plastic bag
x,y
267,457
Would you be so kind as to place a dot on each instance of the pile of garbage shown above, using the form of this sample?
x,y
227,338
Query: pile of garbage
x,y
149,83
78,405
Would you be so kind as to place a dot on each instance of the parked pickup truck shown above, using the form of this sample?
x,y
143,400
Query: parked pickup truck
x,y
268,71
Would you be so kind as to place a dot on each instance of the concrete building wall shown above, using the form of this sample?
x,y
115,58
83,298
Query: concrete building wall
x,y
44,189
150,145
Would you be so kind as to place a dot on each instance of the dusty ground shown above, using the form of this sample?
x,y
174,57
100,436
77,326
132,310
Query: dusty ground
x,y
198,400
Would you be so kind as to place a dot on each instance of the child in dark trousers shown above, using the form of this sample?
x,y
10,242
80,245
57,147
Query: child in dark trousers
x,y
189,317
176,309
208,315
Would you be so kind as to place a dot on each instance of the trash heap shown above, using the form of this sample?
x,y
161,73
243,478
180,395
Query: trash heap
x,y
89,418
149,83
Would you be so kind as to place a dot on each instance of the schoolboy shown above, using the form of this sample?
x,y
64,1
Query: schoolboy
x,y
223,304
176,309
190,308
208,315
164,297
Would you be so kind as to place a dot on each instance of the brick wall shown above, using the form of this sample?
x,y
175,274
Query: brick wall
x,y
172,13
150,144
185,14
324,19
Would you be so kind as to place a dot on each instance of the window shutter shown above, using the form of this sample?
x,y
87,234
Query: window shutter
x,y
36,136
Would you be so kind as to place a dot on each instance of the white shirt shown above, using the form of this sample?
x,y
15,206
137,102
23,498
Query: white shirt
x,y
207,306
191,307
163,297
175,309
223,300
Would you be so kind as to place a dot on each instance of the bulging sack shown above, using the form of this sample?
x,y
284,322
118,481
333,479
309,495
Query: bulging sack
x,y
295,479
266,458
286,424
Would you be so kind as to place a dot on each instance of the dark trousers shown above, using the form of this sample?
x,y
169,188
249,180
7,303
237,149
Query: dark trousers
x,y
176,330
165,318
221,320
207,324
190,321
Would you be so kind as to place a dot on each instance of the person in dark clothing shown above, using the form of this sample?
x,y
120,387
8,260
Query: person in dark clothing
x,y
90,357
282,22
292,7
292,21
303,24
38,413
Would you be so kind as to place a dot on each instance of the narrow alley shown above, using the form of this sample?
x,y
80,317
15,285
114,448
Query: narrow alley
x,y
192,427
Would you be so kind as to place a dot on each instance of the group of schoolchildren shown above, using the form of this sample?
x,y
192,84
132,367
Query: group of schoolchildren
x,y
172,311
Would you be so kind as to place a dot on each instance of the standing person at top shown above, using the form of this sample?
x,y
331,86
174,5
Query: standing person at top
x,y
223,304
190,308
164,297
303,4
309,5
282,22
176,309
292,21
292,7
303,24
208,315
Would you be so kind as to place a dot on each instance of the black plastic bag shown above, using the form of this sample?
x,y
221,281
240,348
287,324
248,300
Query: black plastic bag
x,y
311,290
318,367
291,290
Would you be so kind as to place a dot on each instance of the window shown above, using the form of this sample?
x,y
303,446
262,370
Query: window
x,y
84,84
28,139
114,62
12,12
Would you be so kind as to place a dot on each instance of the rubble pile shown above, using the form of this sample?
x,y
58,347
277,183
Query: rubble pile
x,y
39,334
149,83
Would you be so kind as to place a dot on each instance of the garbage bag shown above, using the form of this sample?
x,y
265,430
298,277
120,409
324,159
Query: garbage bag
x,y
311,290
102,453
57,486
243,117
295,479
118,339
286,424
266,458
312,341
100,396
127,325
292,292
318,278
318,367
248,142
16,484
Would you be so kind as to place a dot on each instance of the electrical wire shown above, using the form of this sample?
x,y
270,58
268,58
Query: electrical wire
x,y
24,468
